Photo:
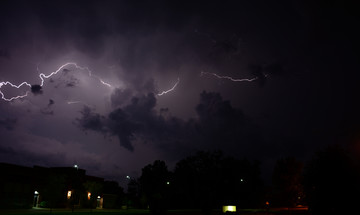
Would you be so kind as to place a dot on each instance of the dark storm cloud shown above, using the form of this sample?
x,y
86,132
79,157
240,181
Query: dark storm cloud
x,y
123,127
72,83
120,96
258,72
48,109
226,46
21,156
145,37
138,116
218,118
219,125
222,126
8,123
36,89
87,23
4,53
148,44
90,120
65,79
274,69
265,71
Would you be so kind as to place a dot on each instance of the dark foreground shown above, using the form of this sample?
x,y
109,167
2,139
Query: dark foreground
x,y
45,211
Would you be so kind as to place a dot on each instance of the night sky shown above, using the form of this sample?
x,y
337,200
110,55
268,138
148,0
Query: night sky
x,y
299,60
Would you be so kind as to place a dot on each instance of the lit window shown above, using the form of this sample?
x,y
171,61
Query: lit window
x,y
89,195
69,194
230,208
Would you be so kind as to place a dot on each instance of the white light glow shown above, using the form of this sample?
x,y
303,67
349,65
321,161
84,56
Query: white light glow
x,y
230,208
69,194
171,89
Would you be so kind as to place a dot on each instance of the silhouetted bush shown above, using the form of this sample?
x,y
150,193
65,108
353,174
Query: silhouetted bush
x,y
332,182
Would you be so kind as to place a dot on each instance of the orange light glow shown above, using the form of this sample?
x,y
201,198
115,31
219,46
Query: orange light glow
x,y
69,194
89,195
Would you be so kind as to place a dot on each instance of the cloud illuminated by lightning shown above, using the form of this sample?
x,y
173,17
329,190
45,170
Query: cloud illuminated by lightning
x,y
229,78
42,76
169,90
77,102
15,86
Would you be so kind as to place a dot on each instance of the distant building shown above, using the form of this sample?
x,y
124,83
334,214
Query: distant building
x,y
16,186
56,187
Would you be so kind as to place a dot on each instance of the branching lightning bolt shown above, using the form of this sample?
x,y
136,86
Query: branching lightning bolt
x,y
42,76
229,78
15,86
169,90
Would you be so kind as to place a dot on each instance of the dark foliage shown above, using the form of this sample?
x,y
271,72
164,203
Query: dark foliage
x,y
332,182
204,181
287,183
153,185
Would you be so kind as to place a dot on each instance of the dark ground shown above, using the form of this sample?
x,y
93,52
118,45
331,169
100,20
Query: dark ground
x,y
44,211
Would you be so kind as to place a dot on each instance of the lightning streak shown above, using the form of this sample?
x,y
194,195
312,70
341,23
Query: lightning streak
x,y
229,78
169,90
14,86
42,76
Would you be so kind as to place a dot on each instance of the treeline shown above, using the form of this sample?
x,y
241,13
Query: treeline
x,y
208,180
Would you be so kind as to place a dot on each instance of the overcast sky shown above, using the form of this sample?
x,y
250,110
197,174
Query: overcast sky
x,y
257,79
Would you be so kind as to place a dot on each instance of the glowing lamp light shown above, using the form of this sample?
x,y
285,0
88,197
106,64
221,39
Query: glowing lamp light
x,y
36,192
99,197
69,194
89,195
229,208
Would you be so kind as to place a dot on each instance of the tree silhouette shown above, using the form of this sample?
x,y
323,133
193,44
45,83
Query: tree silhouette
x,y
208,180
153,184
133,198
331,179
287,183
